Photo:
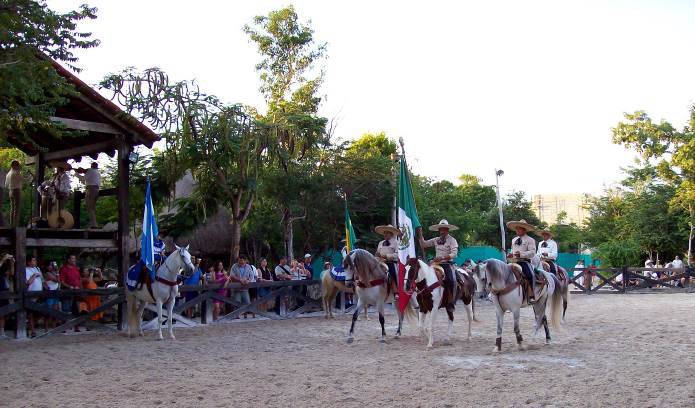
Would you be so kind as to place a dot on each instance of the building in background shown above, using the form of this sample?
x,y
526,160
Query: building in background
x,y
548,206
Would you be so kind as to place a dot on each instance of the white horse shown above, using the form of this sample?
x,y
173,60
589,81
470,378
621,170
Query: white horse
x,y
507,295
369,276
162,291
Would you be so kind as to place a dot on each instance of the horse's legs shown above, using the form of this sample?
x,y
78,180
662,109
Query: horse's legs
x,y
565,295
130,314
354,319
471,316
517,331
430,330
450,313
547,332
140,310
380,307
170,313
159,319
539,309
499,313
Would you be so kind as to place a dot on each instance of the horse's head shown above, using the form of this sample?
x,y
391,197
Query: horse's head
x,y
187,266
412,270
495,275
480,271
349,268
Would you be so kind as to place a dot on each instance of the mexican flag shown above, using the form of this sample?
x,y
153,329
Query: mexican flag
x,y
408,222
350,238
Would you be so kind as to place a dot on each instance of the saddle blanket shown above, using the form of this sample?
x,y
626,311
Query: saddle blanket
x,y
134,276
338,273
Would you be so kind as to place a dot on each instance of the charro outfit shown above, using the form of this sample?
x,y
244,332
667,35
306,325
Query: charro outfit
x,y
388,250
526,246
549,248
446,248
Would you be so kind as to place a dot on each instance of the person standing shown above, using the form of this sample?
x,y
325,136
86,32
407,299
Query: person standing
x,y
61,184
92,182
3,176
677,263
446,250
523,251
71,279
547,250
243,273
387,252
13,185
6,273
34,282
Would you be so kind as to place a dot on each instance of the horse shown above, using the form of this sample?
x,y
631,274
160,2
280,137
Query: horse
x,y
563,285
503,280
162,291
329,290
430,296
369,276
478,273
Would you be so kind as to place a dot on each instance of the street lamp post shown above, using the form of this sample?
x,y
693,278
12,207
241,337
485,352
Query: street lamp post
x,y
498,173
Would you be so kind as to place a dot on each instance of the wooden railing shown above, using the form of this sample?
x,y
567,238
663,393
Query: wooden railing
x,y
288,292
625,280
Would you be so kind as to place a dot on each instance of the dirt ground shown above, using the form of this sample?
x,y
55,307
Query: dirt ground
x,y
614,350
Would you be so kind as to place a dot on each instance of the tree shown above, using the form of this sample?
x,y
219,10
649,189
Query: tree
x,y
30,89
673,151
222,145
288,56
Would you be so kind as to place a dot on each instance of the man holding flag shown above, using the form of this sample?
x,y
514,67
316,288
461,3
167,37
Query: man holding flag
x,y
149,235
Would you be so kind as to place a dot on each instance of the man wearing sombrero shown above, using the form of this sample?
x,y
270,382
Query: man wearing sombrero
x,y
547,249
387,251
523,250
446,248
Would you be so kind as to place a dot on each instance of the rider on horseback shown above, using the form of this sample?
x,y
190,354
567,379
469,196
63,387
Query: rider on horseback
x,y
159,251
547,250
387,252
523,250
446,249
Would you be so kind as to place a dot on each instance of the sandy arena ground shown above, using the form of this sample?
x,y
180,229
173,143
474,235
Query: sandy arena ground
x,y
615,350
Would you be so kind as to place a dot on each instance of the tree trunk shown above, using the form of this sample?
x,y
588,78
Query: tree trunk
x,y
236,240
690,237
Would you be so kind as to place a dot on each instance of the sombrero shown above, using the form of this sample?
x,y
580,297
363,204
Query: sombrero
x,y
382,229
443,224
521,223
548,232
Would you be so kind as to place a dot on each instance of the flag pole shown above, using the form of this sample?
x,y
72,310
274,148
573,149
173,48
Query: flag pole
x,y
418,231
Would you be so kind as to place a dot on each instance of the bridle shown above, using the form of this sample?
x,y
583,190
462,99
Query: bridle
x,y
165,265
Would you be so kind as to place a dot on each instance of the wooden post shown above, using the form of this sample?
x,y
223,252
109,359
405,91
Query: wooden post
x,y
686,277
40,176
625,279
76,201
20,266
204,308
123,221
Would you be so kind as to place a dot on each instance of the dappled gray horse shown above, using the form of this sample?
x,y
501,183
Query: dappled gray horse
x,y
508,295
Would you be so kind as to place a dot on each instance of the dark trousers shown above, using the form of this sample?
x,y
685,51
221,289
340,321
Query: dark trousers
x,y
528,272
392,271
553,266
449,283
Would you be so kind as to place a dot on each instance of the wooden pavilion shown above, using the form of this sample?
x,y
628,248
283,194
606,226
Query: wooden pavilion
x,y
105,129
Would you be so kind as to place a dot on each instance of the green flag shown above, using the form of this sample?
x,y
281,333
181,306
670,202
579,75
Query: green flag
x,y
350,238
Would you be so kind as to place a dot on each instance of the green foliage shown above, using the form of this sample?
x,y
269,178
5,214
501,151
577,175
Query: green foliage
x,y
30,89
618,253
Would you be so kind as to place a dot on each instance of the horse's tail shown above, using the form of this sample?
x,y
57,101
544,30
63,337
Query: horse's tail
x,y
410,314
555,304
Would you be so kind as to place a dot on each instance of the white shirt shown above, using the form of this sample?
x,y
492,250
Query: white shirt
x,y
37,284
551,249
62,184
677,263
92,178
13,179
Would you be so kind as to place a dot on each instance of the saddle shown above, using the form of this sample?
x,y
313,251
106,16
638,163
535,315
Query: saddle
x,y
523,281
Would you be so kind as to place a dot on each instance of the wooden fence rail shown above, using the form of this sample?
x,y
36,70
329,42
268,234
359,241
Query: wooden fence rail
x,y
291,293
625,280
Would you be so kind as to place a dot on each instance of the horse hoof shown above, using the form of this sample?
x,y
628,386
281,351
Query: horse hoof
x,y
172,337
382,340
350,340
429,347
495,350
547,342
520,347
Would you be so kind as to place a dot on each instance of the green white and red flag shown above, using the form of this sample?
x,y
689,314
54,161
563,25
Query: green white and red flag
x,y
408,223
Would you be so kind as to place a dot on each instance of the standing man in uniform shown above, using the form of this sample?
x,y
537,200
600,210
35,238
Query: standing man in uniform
x,y
92,181
387,252
446,249
523,250
547,250
13,185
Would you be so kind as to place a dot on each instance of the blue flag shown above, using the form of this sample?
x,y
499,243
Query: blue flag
x,y
149,231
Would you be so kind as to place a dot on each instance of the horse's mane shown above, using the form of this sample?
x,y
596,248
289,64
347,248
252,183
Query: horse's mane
x,y
364,265
495,267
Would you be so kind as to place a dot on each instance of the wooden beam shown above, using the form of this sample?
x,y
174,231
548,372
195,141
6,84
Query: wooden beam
x,y
20,266
80,150
85,125
71,243
123,219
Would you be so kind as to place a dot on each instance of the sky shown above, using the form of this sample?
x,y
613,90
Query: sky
x,y
530,87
